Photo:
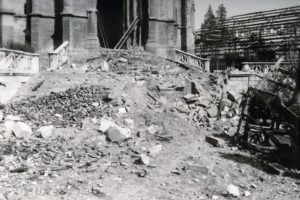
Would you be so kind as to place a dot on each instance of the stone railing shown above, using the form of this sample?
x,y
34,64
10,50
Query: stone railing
x,y
59,56
14,62
267,67
189,59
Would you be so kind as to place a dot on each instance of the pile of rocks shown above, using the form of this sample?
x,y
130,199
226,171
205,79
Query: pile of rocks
x,y
65,108
229,105
47,149
205,108
199,108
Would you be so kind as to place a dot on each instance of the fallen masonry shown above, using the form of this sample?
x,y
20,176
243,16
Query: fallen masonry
x,y
129,125
63,109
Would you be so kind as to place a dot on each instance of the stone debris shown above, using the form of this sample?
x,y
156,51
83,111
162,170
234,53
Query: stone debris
x,y
233,190
124,60
117,134
21,130
155,150
76,130
247,193
12,118
144,159
122,110
1,116
216,142
190,98
46,131
153,129
63,109
105,124
8,127
129,123
212,111
104,66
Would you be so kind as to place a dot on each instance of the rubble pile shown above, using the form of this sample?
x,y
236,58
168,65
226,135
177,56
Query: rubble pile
x,y
155,129
63,150
48,150
63,109
200,99
124,62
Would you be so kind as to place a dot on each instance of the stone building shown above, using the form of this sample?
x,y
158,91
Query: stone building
x,y
44,24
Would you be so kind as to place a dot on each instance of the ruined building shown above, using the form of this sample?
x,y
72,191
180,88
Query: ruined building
x,y
44,24
277,29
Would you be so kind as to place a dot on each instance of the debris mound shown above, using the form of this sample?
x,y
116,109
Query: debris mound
x,y
64,109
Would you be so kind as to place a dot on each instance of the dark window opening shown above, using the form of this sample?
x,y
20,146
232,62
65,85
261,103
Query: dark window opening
x,y
110,21
58,33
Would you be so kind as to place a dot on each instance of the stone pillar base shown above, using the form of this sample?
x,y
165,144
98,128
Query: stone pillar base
x,y
42,30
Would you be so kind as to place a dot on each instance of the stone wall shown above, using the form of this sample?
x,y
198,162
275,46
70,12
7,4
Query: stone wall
x,y
80,24
171,25
12,21
165,25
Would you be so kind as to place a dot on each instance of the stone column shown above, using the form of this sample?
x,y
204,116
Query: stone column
x,y
128,19
153,26
67,18
92,39
42,25
135,14
190,23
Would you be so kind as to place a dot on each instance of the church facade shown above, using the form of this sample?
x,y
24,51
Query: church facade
x,y
162,26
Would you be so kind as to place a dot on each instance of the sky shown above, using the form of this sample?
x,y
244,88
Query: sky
x,y
236,7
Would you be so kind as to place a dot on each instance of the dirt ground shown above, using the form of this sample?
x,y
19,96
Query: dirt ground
x,y
78,162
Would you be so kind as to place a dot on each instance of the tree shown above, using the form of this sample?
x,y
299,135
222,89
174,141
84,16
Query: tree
x,y
221,15
209,19
223,34
206,38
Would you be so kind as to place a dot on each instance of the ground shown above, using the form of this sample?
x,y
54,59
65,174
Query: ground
x,y
77,161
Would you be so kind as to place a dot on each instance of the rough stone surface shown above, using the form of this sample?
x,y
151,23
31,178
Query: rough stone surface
x,y
214,141
153,129
105,124
212,111
155,150
122,110
104,66
129,123
116,134
46,131
22,130
13,118
145,160
8,127
233,190
1,116
124,60
204,102
189,98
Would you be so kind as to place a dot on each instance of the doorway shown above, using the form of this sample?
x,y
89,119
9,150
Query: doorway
x,y
110,21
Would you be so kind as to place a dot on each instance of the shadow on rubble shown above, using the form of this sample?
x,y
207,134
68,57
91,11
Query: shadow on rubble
x,y
261,164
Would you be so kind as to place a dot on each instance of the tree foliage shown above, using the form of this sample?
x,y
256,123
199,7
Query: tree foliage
x,y
221,15
213,30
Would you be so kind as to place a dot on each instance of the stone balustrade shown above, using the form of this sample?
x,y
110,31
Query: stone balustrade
x,y
267,67
59,56
189,59
18,63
